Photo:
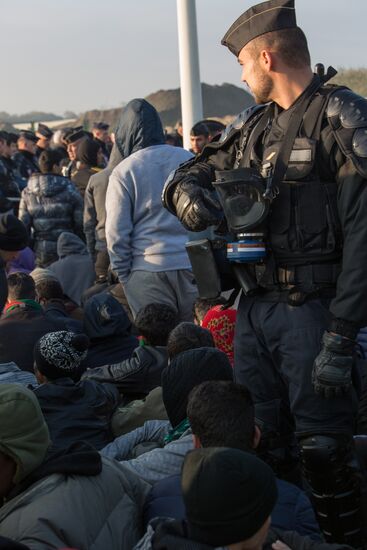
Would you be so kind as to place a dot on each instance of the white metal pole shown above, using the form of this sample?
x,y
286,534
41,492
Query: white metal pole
x,y
191,100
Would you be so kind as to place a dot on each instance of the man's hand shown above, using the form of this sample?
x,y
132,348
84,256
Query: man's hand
x,y
196,208
332,369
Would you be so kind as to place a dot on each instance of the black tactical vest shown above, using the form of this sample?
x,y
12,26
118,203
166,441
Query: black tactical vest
x,y
303,226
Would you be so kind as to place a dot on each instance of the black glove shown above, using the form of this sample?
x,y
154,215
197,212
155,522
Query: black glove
x,y
332,369
196,207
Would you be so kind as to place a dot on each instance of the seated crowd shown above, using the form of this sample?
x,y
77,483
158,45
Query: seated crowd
x,y
121,427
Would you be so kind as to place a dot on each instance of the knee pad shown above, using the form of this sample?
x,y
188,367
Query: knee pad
x,y
332,471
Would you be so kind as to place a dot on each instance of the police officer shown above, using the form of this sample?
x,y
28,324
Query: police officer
x,y
25,159
306,144
44,135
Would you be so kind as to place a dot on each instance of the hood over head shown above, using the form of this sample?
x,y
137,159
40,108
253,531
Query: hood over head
x,y
69,243
87,152
104,316
24,434
139,127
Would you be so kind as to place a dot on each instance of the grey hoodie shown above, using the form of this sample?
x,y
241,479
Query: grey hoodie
x,y
140,233
74,269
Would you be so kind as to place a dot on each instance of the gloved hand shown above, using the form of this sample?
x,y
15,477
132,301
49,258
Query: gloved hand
x,y
196,207
332,369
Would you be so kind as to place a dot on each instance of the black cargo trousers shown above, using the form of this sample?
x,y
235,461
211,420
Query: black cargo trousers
x,y
275,347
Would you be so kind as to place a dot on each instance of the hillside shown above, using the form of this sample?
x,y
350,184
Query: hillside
x,y
356,79
218,101
33,116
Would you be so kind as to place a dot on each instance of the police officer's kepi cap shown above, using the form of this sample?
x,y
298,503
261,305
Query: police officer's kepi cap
x,y
44,131
75,134
270,16
27,134
100,126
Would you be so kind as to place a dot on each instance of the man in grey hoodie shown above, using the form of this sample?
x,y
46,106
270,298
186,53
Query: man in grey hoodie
x,y
146,245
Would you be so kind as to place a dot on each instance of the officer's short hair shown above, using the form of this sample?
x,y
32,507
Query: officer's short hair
x,y
290,44
221,414
48,159
4,136
199,129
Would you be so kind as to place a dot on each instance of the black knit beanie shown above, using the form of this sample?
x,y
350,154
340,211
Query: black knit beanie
x,y
13,233
59,354
187,370
228,495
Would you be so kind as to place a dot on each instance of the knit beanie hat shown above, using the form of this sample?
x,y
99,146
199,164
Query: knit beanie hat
x,y
59,354
24,434
228,495
13,233
221,323
187,370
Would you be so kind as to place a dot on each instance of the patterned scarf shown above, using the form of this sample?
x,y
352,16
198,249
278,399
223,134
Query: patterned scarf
x,y
22,304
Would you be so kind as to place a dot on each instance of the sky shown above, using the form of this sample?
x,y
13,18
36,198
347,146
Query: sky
x,y
77,55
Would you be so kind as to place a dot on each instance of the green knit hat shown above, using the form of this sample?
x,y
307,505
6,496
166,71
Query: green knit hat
x,y
24,434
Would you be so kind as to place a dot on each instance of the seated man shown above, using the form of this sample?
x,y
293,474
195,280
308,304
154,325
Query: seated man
x,y
173,438
66,498
136,376
108,328
229,496
133,415
221,414
51,297
74,268
13,238
74,411
23,322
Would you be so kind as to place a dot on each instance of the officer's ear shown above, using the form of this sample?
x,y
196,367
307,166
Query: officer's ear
x,y
267,60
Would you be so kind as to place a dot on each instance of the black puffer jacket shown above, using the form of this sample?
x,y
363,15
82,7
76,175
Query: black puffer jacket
x,y
50,205
135,377
79,411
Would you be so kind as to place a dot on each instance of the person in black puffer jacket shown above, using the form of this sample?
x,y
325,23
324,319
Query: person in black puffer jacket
x,y
50,205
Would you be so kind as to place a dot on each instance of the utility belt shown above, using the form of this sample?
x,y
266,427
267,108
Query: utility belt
x,y
307,276
266,282
296,285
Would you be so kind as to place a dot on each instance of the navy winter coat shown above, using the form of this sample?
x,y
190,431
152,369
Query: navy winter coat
x,y
292,512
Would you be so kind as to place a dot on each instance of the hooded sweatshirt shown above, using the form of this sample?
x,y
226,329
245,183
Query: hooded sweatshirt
x,y
24,434
141,234
74,269
95,203
87,155
109,330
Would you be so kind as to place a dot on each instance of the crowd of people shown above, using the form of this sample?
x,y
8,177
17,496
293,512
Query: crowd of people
x,y
139,413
